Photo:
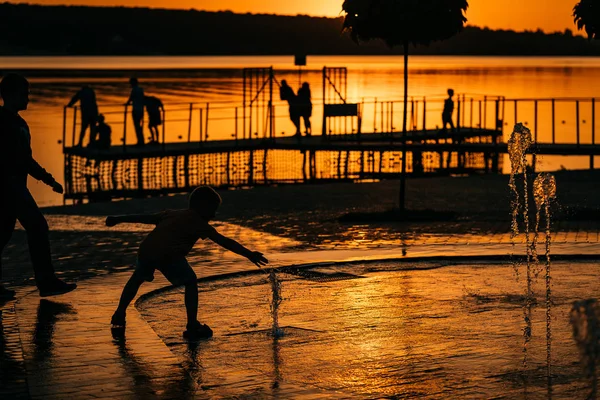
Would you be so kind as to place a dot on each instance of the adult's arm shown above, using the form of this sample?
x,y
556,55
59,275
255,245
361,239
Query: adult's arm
x,y
74,99
39,173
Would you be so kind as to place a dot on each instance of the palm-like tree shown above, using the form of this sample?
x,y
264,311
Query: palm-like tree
x,y
404,22
586,14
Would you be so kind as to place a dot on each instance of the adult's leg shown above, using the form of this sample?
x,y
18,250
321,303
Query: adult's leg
x,y
36,228
7,226
138,124
93,130
85,122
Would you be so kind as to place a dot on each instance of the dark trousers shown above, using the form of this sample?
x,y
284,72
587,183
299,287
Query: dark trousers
x,y
18,204
138,124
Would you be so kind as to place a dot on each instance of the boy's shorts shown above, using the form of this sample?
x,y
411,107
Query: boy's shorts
x,y
177,272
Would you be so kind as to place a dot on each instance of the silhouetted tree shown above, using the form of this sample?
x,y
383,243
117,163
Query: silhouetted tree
x,y
586,15
404,22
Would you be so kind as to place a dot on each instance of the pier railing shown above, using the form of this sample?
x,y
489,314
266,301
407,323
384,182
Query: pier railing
x,y
201,122
214,144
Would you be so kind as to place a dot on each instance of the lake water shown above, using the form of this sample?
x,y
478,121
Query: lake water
x,y
219,79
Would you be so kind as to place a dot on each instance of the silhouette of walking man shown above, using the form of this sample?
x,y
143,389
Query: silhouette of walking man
x,y
137,100
16,202
448,110
305,106
154,108
89,112
286,93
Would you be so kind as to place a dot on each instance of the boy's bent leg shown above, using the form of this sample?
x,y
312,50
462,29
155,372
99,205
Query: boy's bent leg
x,y
191,302
129,292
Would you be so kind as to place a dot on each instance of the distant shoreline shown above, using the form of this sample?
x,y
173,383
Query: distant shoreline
x,y
81,30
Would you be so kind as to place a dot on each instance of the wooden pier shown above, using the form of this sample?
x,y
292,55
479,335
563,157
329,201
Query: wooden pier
x,y
357,141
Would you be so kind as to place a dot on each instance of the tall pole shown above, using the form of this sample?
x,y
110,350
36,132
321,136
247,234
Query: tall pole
x,y
403,172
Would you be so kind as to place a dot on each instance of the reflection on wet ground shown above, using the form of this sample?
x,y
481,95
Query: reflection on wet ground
x,y
454,331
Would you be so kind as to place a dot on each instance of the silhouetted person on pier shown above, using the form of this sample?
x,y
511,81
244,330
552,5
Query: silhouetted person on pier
x,y
286,93
89,112
154,108
166,248
16,202
447,112
137,101
305,106
104,134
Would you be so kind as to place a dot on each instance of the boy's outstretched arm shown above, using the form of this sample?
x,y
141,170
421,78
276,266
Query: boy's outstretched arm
x,y
152,219
231,245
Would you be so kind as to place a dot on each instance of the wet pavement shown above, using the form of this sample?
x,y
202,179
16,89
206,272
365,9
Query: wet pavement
x,y
61,347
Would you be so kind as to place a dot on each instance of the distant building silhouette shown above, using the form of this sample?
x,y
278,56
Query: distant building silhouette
x,y
89,112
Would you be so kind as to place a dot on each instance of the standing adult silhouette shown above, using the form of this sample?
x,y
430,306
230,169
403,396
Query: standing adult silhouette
x,y
89,112
16,202
286,93
305,106
137,101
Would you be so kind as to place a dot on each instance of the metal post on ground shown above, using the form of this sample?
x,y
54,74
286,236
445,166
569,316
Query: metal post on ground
x,y
577,125
125,128
553,121
164,128
535,134
64,137
206,122
74,126
593,131
236,125
424,114
190,123
201,126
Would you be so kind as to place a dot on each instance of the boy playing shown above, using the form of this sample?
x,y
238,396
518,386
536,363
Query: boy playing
x,y
166,247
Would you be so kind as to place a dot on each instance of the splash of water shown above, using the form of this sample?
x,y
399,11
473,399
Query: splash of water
x,y
585,319
544,191
518,144
275,302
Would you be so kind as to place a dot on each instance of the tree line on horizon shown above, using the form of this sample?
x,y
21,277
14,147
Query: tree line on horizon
x,y
80,30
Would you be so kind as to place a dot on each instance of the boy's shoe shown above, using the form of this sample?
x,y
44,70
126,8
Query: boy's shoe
x,y
7,294
55,287
198,331
117,326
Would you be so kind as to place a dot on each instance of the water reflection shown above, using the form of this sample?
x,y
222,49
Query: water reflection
x,y
172,384
48,314
390,333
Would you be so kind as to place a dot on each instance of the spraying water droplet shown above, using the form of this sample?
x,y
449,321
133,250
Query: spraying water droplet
x,y
518,145
275,302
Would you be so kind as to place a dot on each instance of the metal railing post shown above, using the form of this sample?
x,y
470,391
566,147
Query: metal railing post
x,y
125,128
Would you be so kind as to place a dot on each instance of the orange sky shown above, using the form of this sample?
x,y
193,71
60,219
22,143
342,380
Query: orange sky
x,y
549,15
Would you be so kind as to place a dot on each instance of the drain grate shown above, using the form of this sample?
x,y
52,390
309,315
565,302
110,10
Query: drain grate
x,y
320,276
